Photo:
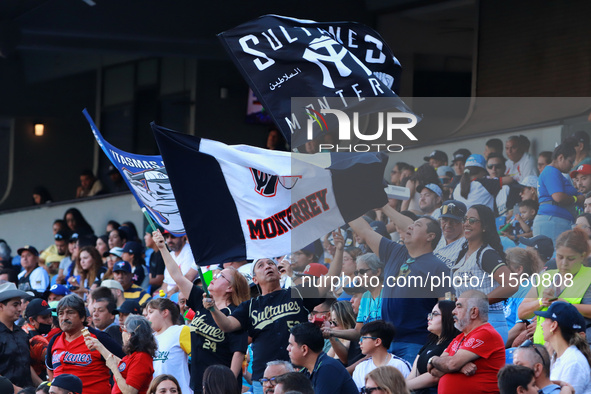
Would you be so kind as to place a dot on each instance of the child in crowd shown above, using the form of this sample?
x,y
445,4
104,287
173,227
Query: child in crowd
x,y
517,379
522,222
376,337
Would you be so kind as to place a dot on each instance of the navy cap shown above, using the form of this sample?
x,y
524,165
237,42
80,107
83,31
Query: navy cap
x,y
453,209
68,382
461,154
37,307
565,314
62,235
133,247
122,266
437,155
29,248
58,289
129,306
541,243
74,237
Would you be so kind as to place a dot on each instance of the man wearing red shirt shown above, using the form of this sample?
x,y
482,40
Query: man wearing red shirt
x,y
474,358
67,352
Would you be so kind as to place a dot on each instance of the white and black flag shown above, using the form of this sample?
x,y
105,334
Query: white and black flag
x,y
283,57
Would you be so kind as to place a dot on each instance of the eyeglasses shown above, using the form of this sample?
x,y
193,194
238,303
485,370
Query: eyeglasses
x,y
219,275
471,220
362,338
369,390
495,166
432,315
529,343
362,271
271,381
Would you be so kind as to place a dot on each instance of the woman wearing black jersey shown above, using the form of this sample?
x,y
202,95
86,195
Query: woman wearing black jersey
x,y
209,344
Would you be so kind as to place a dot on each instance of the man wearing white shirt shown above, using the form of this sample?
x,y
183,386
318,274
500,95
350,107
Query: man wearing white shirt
x,y
183,256
32,277
450,244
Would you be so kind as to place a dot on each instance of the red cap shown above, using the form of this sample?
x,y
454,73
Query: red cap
x,y
315,269
583,169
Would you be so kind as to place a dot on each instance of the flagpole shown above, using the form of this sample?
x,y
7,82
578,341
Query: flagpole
x,y
203,285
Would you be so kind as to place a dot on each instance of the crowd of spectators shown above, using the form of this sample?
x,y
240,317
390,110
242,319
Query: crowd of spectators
x,y
126,312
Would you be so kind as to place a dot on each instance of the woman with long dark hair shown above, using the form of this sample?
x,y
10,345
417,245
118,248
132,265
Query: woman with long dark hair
x,y
217,379
77,223
440,323
87,271
557,196
481,265
475,187
209,344
133,373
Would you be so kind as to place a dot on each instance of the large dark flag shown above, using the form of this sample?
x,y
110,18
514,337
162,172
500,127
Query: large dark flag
x,y
148,181
241,202
282,57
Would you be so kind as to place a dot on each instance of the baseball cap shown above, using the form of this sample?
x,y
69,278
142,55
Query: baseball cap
x,y
62,235
314,269
445,171
116,251
461,154
453,209
111,284
58,289
531,181
29,248
476,161
133,247
129,306
583,169
74,237
565,314
122,266
437,155
68,382
37,307
433,187
541,243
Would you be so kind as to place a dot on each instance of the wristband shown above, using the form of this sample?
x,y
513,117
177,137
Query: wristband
x,y
540,301
575,197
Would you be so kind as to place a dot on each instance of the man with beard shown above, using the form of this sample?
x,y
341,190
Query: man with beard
x,y
475,356
67,352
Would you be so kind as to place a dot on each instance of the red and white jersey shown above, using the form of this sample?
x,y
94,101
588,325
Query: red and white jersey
x,y
75,358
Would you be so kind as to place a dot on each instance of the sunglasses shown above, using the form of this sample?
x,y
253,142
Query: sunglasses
x,y
369,390
529,343
362,271
471,220
495,166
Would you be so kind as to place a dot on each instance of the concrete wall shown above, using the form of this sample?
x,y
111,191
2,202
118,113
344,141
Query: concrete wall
x,y
32,226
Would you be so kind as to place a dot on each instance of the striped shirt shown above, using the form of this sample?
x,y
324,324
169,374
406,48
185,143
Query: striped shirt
x,y
136,293
448,253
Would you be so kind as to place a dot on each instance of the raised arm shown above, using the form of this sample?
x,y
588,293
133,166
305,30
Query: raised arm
x,y
336,266
371,238
399,219
184,284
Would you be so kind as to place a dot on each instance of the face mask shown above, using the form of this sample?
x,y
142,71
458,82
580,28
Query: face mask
x,y
44,328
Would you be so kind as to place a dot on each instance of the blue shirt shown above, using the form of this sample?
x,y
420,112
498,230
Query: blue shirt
x,y
552,181
407,306
330,376
370,309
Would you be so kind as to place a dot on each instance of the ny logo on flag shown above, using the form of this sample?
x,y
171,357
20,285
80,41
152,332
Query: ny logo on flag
x,y
324,50
264,184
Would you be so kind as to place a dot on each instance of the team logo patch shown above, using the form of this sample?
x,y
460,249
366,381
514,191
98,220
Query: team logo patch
x,y
264,184
122,367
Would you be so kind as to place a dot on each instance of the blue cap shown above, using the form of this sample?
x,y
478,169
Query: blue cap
x,y
565,314
453,209
122,266
476,161
133,247
58,289
433,187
